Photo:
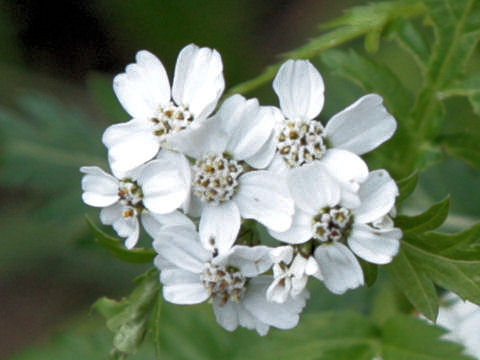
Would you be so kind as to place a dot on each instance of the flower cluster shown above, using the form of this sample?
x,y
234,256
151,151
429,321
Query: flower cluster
x,y
200,178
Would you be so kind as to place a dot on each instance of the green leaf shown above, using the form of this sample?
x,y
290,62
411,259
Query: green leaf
x,y
407,185
127,319
115,246
468,86
347,335
414,284
358,21
413,339
372,77
411,39
370,272
429,220
451,261
457,32
464,146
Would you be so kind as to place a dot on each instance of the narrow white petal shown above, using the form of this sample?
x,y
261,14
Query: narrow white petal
x,y
185,294
251,261
164,186
375,246
264,197
339,267
313,188
131,94
377,195
226,315
154,223
219,226
346,167
198,82
299,232
362,126
129,145
300,89
180,245
282,316
99,188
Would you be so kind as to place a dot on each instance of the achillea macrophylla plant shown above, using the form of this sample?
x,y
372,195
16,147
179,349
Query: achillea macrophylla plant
x,y
244,202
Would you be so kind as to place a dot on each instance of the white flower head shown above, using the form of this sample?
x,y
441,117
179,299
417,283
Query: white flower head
x,y
301,139
124,202
291,269
462,319
232,281
339,232
224,187
159,112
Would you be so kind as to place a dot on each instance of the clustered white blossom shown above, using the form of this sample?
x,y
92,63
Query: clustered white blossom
x,y
204,180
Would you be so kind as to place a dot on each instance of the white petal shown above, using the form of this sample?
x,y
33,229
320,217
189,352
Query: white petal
x,y
264,156
362,126
346,167
219,226
249,127
312,267
154,223
300,88
129,145
185,294
299,232
247,320
251,261
226,315
375,246
180,245
339,267
111,213
313,188
377,195
265,198
279,166
164,186
282,254
128,228
99,188
198,81
279,290
207,137
282,316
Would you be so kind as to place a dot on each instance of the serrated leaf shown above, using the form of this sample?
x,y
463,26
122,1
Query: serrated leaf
x,y
451,261
372,77
457,32
407,185
409,338
413,41
356,22
464,146
116,247
414,284
427,221
127,319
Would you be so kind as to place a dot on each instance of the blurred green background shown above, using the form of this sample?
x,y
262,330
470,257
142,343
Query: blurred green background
x,y
57,60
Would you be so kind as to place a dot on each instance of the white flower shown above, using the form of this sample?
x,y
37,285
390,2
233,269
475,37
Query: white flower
x,y
159,113
291,269
191,275
223,187
123,200
338,232
301,139
462,319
